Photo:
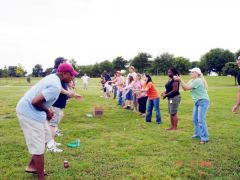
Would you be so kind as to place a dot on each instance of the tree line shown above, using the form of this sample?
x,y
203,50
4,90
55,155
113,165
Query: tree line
x,y
221,61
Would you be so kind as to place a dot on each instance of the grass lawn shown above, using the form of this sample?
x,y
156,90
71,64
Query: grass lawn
x,y
120,145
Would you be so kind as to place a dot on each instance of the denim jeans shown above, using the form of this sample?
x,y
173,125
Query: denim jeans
x,y
153,103
120,98
199,119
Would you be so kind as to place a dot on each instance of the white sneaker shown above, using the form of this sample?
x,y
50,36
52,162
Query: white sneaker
x,y
59,133
57,144
54,149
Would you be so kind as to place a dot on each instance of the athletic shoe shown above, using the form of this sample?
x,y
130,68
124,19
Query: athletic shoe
x,y
54,149
59,133
203,142
196,136
57,144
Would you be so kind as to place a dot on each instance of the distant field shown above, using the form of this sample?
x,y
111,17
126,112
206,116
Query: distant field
x,y
120,145
159,80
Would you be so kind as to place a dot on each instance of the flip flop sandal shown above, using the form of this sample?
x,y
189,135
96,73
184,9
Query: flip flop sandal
x,y
35,172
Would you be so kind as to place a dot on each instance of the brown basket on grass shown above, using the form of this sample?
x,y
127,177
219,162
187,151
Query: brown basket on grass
x,y
98,111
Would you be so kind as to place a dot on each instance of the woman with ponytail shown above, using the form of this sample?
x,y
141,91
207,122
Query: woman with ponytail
x,y
198,88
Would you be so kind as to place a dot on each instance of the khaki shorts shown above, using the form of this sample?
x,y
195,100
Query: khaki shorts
x,y
173,104
57,117
36,134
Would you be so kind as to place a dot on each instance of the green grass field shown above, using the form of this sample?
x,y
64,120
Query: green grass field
x,y
120,145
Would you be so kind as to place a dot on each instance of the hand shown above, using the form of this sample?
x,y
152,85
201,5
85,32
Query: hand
x,y
177,78
78,97
235,108
50,114
163,95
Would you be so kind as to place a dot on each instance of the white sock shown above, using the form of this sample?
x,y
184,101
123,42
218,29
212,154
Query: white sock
x,y
50,143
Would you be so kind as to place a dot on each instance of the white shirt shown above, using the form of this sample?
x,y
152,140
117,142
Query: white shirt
x,y
85,79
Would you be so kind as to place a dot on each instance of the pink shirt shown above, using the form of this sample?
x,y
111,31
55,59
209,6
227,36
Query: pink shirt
x,y
139,85
120,83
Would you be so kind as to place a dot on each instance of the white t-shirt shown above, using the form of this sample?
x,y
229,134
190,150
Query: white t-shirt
x,y
85,79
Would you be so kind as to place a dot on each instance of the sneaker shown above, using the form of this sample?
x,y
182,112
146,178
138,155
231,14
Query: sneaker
x,y
196,136
59,133
203,142
54,149
57,144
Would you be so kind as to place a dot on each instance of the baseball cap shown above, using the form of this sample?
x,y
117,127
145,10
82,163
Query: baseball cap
x,y
67,68
197,70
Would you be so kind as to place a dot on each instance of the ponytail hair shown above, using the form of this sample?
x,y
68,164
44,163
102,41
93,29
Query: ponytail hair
x,y
204,81
149,78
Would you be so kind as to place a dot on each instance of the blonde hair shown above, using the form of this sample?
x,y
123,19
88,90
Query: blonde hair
x,y
204,81
139,75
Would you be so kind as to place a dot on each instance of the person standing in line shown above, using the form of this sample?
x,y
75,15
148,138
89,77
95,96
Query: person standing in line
x,y
33,112
58,107
198,88
174,98
141,96
153,100
132,73
107,84
114,86
129,94
85,79
119,83
236,106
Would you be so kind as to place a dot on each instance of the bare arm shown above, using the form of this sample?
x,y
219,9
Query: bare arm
x,y
38,101
175,88
238,97
236,106
185,86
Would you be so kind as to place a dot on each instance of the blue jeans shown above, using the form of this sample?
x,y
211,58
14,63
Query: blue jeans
x,y
120,98
199,119
153,103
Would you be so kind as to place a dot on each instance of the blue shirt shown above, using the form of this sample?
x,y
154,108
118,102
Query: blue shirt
x,y
107,77
62,99
50,88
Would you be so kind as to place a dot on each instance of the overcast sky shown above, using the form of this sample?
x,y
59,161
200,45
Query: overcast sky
x,y
37,31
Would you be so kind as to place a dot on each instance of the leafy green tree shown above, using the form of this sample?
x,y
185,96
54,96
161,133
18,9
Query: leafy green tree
x,y
203,66
194,64
37,70
88,69
141,62
231,68
20,72
106,66
48,71
182,65
96,70
163,62
12,71
215,60
119,63
4,72
73,63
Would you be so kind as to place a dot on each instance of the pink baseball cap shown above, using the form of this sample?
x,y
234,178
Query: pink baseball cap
x,y
65,67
